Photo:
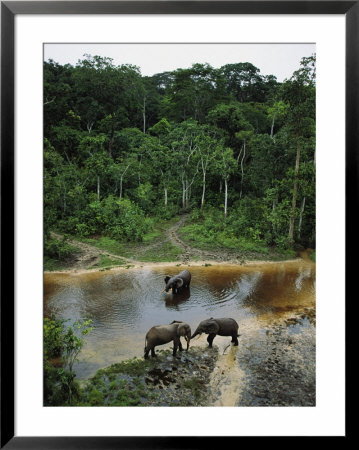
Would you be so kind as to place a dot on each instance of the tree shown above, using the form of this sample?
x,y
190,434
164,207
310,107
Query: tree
x,y
183,147
98,161
299,92
206,145
225,165
194,92
275,112
118,91
243,82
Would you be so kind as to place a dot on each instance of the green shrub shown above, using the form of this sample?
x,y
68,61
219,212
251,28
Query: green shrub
x,y
166,212
53,337
60,387
122,220
96,397
58,249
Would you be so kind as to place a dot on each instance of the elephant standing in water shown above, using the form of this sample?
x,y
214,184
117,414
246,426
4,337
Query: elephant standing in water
x,y
162,334
222,327
177,282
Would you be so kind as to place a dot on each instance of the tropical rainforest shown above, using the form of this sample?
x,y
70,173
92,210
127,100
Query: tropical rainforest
x,y
231,148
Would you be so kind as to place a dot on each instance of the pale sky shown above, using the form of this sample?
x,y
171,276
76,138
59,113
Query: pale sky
x,y
280,60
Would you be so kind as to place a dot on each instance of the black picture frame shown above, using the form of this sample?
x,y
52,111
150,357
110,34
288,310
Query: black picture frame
x,y
9,9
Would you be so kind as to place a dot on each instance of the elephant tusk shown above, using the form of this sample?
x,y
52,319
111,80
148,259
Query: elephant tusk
x,y
198,337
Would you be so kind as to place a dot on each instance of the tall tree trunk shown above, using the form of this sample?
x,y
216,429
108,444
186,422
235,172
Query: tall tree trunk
x,y
242,171
225,197
272,128
183,192
166,196
121,180
301,217
98,188
203,189
295,192
186,196
89,126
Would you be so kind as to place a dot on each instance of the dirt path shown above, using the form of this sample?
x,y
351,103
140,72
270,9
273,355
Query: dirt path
x,y
90,255
175,240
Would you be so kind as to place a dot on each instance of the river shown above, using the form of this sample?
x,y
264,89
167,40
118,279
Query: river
x,y
273,303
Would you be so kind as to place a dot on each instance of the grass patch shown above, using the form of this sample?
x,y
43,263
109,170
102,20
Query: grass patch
x,y
54,265
195,386
198,236
161,381
166,252
312,256
120,384
107,261
104,243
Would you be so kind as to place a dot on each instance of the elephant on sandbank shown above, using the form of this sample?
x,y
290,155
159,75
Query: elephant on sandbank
x,y
162,334
222,327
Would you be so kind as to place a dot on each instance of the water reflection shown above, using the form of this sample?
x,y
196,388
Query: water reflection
x,y
124,305
174,300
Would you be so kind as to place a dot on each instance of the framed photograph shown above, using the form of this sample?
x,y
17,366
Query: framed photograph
x,y
174,187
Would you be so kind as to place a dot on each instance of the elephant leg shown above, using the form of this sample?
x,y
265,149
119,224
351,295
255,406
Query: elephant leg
x,y
146,354
176,343
180,348
153,354
210,339
234,339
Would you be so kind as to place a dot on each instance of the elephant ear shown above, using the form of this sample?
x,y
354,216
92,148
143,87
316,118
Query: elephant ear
x,y
212,327
167,278
183,329
179,282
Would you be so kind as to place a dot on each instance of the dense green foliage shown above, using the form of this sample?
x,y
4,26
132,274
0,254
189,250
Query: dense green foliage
x,y
64,344
232,146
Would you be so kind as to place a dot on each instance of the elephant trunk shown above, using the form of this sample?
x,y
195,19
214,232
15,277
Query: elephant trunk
x,y
196,333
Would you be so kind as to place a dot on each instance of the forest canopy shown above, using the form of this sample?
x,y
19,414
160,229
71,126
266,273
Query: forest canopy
x,y
234,148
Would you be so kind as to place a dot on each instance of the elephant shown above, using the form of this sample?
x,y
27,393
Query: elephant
x,y
162,334
178,282
222,327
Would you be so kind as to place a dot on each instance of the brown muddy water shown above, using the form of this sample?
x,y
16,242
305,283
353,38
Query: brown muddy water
x,y
273,303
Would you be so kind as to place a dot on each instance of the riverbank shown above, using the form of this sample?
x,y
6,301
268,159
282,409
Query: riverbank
x,y
167,245
271,368
273,303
